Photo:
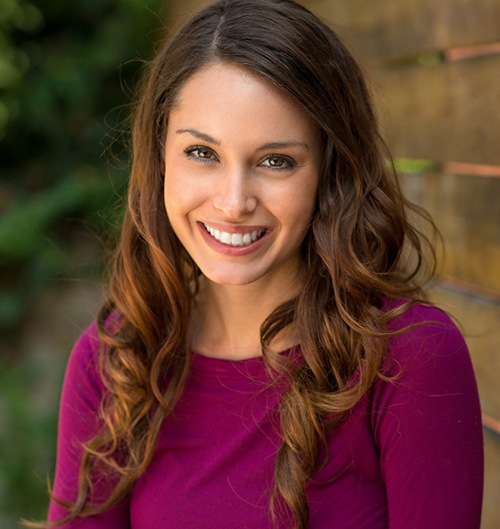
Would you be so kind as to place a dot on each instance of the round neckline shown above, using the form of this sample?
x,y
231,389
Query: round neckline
x,y
216,366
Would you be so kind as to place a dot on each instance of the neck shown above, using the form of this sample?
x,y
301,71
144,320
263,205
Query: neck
x,y
227,320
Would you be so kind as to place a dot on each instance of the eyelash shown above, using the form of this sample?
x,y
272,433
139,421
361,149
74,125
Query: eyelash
x,y
191,150
289,163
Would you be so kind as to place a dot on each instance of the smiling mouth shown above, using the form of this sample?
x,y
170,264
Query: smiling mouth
x,y
235,239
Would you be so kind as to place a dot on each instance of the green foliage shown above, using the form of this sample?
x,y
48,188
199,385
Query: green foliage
x,y
15,16
27,440
413,165
67,73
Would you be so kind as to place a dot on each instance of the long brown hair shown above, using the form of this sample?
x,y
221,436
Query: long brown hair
x,y
360,252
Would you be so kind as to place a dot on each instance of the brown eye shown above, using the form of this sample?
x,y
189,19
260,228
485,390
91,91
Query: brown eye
x,y
201,153
278,162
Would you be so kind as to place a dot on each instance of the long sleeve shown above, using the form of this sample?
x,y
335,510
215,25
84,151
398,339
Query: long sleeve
x,y
78,422
427,428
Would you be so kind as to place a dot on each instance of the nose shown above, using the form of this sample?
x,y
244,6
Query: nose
x,y
234,196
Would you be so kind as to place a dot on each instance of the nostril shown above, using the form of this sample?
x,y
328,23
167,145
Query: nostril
x,y
235,206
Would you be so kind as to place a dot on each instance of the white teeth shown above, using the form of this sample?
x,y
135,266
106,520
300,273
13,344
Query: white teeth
x,y
237,239
234,239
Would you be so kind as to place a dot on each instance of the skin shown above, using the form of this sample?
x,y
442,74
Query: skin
x,y
242,162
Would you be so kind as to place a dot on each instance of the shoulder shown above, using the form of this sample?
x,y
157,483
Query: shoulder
x,y
427,363
88,349
427,373
427,339
419,314
87,345
83,380
428,381
85,352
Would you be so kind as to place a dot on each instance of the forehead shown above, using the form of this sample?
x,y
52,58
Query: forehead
x,y
228,97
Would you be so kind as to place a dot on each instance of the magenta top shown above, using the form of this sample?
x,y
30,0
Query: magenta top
x,y
409,456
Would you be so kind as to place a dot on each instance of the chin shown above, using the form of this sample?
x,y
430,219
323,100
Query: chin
x,y
230,280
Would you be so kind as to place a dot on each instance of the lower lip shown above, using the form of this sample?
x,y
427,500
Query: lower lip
x,y
226,249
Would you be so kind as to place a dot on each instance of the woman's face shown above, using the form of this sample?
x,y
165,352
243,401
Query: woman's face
x,y
242,164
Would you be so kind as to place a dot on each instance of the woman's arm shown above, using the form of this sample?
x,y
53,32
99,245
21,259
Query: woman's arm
x,y
78,422
427,426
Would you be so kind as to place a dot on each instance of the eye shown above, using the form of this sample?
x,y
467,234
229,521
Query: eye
x,y
279,162
201,153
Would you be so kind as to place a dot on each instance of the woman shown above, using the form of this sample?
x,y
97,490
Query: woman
x,y
264,358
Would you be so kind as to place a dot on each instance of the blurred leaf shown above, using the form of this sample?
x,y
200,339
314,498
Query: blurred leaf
x,y
23,226
413,165
67,72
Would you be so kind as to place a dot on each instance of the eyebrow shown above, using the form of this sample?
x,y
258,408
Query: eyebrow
x,y
272,145
282,145
199,135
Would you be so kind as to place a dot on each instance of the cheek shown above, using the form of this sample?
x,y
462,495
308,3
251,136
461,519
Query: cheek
x,y
174,200
167,196
301,201
175,186
182,196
